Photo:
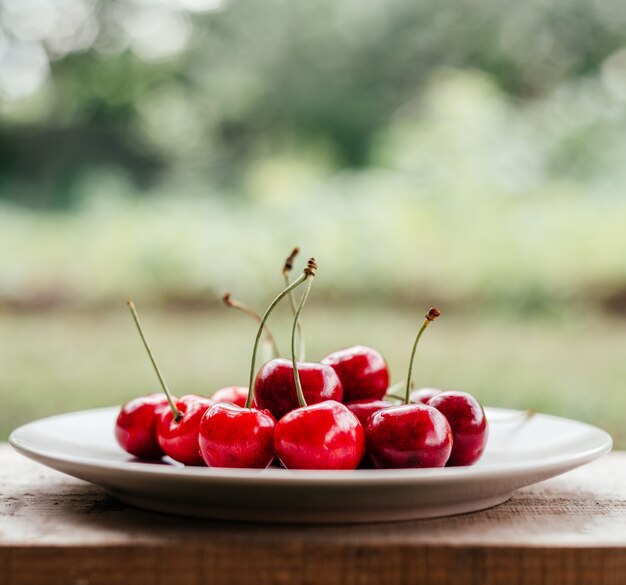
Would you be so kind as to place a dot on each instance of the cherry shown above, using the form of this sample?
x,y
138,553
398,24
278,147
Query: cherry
x,y
363,372
177,428
325,435
308,273
275,388
232,436
178,437
135,427
423,395
409,435
363,409
468,423
233,394
238,394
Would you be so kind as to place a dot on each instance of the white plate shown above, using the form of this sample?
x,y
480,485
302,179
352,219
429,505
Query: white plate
x,y
518,453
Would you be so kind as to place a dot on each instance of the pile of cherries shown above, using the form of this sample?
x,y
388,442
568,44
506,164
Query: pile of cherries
x,y
336,414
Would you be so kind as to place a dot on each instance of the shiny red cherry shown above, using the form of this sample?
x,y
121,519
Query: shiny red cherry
x,y
233,394
232,436
468,423
321,436
179,438
275,389
423,395
363,372
410,435
135,427
363,409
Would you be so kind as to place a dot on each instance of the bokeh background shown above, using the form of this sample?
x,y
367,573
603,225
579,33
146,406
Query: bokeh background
x,y
470,155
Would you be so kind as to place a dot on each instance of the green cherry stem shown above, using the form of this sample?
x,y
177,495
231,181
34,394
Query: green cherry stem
x,y
133,311
235,304
430,316
292,301
295,284
296,320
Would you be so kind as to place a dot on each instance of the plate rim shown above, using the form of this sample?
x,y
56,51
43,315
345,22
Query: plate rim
x,y
270,476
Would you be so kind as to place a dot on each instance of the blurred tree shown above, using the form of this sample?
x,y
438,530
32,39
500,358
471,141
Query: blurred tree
x,y
202,89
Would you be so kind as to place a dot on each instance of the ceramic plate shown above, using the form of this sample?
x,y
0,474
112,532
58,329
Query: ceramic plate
x,y
520,452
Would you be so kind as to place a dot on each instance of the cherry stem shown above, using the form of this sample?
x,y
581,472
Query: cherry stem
x,y
295,284
430,316
235,304
296,375
133,311
292,301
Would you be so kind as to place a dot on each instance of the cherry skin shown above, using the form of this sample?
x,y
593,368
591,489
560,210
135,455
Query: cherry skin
x,y
232,436
325,435
275,389
408,436
423,395
233,394
468,423
363,372
363,409
135,427
179,438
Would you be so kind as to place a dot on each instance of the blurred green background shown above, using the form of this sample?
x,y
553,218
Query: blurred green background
x,y
468,155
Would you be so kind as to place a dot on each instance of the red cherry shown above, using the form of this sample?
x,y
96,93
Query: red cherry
x,y
231,436
275,389
273,372
468,423
233,394
321,436
325,435
362,370
177,427
363,409
179,437
135,427
423,395
409,435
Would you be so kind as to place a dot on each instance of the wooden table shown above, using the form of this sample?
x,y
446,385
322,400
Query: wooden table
x,y
58,530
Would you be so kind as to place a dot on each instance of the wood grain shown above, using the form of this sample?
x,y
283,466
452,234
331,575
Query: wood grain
x,y
58,530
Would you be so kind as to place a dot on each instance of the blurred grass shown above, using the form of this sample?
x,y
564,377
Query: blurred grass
x,y
567,364
469,195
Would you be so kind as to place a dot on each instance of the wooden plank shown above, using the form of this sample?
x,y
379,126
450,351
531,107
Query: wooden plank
x,y
57,530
